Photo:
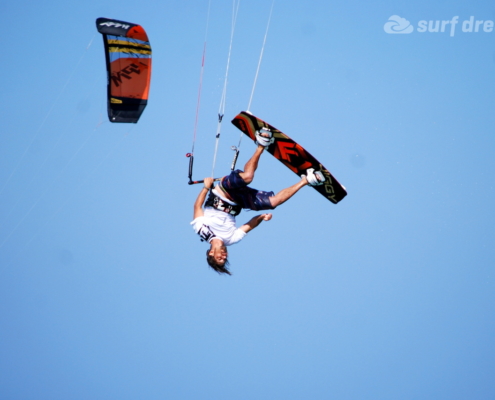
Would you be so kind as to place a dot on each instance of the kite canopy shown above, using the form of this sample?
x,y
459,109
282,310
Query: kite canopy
x,y
128,59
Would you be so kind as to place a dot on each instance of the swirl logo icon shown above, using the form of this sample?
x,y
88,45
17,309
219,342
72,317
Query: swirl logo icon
x,y
396,24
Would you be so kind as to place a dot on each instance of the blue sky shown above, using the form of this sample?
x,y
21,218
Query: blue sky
x,y
104,288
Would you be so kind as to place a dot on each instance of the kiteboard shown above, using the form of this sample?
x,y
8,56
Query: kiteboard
x,y
291,154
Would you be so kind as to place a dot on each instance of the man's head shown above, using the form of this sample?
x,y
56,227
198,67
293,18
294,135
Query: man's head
x,y
216,257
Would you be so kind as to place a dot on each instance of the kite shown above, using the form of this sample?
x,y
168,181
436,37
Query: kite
x,y
128,60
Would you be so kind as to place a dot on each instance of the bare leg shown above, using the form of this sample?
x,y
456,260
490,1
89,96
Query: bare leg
x,y
286,194
251,165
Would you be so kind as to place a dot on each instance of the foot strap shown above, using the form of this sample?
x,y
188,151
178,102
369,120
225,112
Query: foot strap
x,y
315,178
264,137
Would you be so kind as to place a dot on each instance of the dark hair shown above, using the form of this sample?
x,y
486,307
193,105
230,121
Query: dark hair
x,y
221,269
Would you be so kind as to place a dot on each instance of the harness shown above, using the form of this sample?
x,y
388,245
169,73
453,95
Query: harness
x,y
218,204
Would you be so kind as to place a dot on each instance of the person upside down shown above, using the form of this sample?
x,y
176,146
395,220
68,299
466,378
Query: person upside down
x,y
215,220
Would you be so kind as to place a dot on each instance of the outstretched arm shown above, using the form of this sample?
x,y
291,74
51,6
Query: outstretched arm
x,y
198,204
255,221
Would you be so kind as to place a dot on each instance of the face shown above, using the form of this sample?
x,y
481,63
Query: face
x,y
220,254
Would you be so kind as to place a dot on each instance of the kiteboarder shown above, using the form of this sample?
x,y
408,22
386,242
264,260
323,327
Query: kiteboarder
x,y
214,221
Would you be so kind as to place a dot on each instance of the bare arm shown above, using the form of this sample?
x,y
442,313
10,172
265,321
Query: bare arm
x,y
198,204
255,221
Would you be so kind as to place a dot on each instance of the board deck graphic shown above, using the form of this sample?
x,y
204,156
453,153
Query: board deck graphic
x,y
291,154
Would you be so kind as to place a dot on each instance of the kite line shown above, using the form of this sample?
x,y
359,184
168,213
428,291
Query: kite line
x,y
235,9
237,148
47,115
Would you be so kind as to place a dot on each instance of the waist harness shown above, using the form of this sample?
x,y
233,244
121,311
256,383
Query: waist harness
x,y
218,204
